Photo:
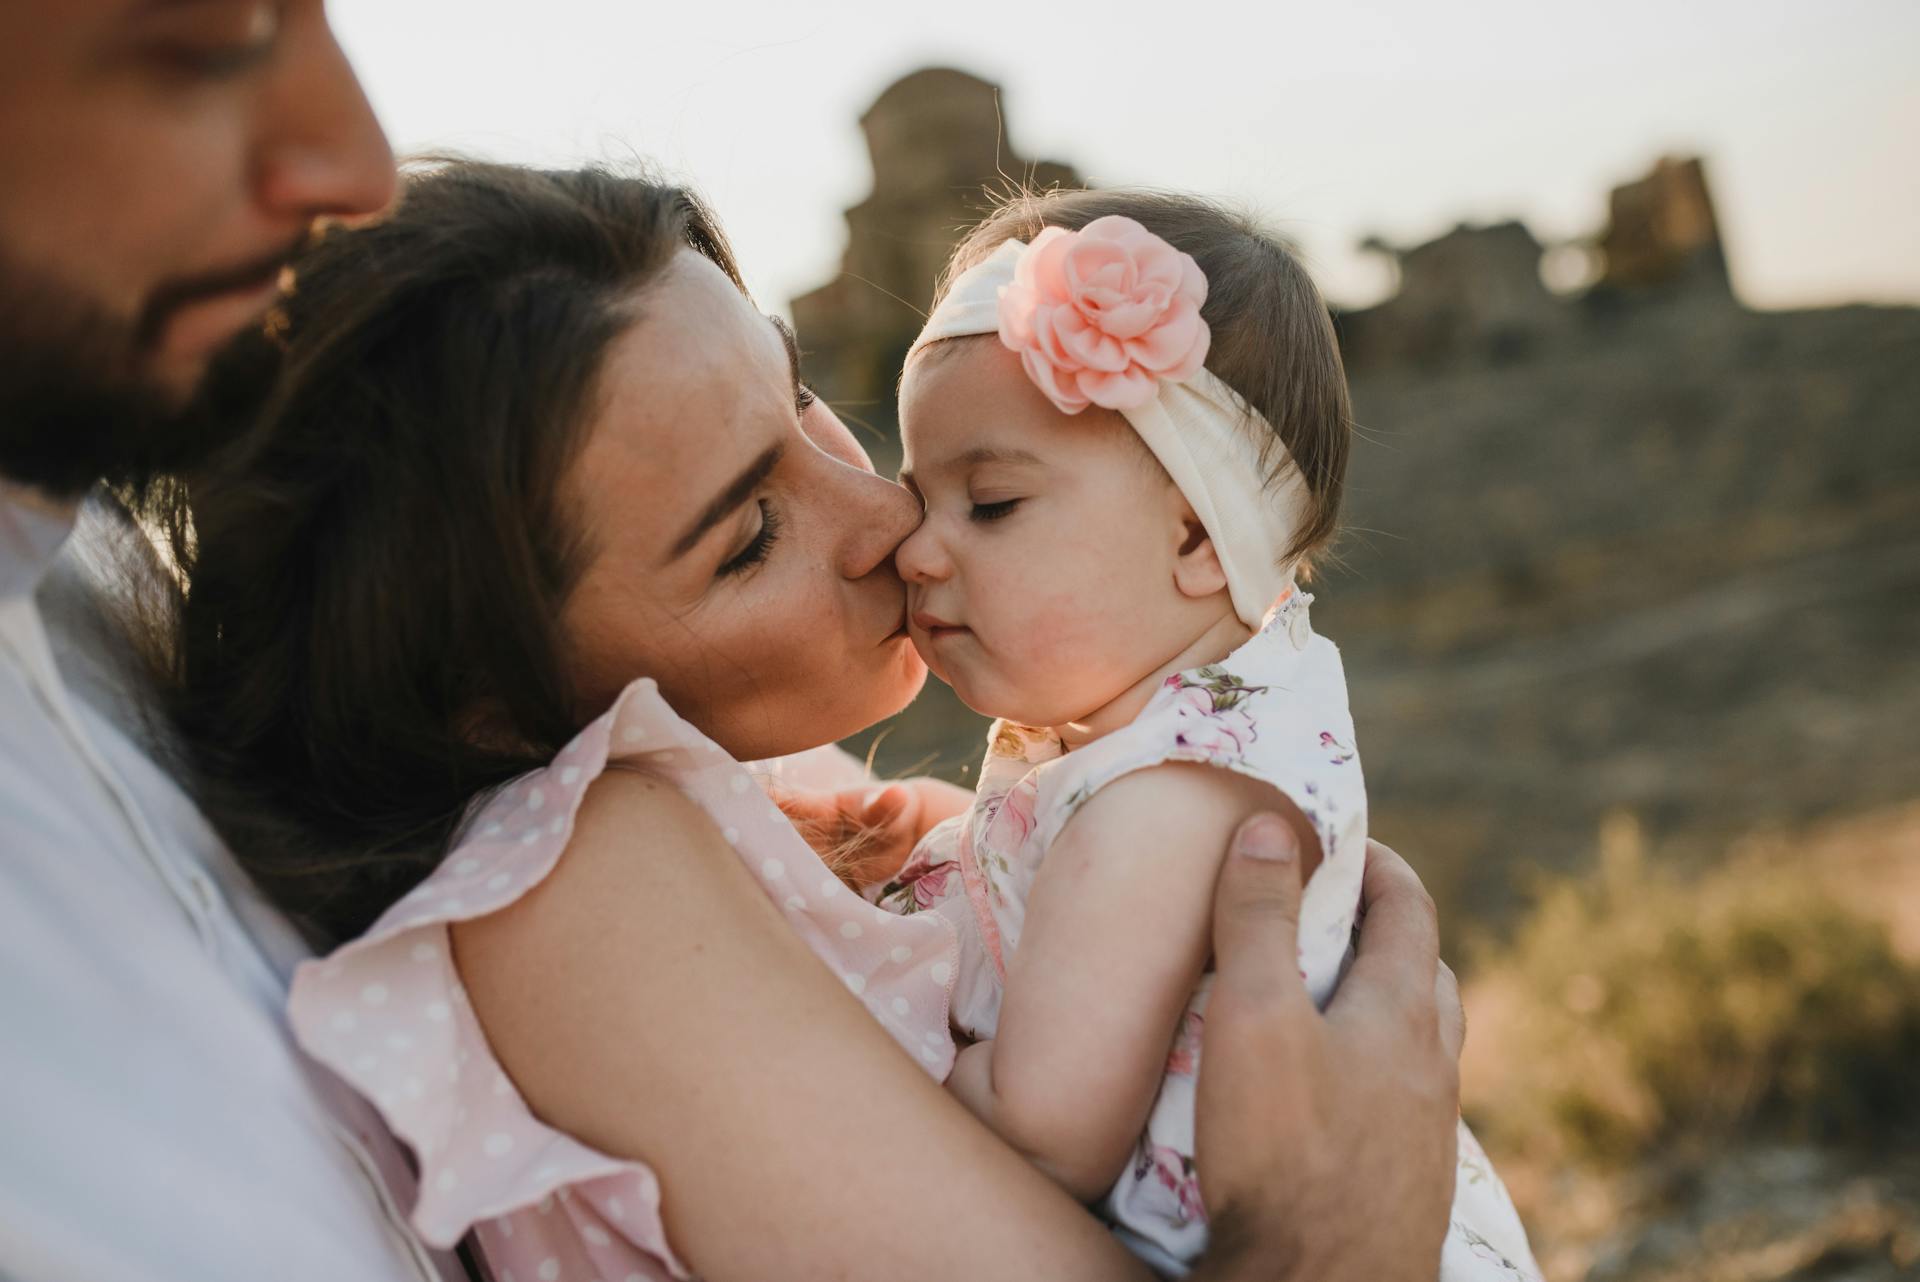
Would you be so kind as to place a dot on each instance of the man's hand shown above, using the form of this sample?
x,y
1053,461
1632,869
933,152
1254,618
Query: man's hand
x,y
866,833
1326,1142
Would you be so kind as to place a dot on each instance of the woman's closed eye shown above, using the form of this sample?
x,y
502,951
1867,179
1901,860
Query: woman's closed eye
x,y
994,511
757,547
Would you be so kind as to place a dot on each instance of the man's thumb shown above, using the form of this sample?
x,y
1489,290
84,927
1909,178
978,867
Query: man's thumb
x,y
1256,907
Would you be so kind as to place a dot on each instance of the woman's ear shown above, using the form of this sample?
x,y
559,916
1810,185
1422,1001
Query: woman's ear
x,y
1197,571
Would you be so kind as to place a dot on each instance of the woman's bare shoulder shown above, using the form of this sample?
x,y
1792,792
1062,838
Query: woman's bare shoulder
x,y
637,847
627,811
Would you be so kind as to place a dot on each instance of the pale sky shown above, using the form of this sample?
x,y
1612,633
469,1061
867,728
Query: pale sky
x,y
1336,120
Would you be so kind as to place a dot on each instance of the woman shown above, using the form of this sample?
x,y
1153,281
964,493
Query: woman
x,y
527,440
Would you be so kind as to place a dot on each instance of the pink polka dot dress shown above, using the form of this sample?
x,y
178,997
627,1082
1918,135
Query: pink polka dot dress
x,y
388,1014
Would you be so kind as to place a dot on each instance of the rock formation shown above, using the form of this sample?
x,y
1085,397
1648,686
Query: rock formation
x,y
939,148
1473,289
1662,229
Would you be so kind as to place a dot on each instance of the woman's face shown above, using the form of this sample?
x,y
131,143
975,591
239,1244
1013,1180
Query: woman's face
x,y
740,546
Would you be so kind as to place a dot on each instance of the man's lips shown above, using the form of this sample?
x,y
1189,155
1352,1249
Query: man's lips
x,y
210,322
246,287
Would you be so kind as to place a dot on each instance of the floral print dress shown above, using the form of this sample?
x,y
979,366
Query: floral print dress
x,y
1276,710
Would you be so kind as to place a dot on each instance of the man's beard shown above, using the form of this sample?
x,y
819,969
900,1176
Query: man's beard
x,y
76,409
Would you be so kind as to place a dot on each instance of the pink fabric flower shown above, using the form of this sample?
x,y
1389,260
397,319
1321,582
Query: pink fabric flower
x,y
1099,316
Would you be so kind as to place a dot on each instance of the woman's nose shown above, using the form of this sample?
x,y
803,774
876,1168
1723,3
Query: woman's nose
x,y
878,514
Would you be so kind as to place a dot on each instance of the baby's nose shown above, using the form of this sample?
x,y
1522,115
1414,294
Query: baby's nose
x,y
921,558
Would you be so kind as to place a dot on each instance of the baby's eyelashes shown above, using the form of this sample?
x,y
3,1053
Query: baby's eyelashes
x,y
993,511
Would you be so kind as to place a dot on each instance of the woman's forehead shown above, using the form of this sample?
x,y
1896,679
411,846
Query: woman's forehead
x,y
695,388
696,342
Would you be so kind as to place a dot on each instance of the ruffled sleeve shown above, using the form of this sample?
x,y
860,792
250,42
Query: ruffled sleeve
x,y
388,1013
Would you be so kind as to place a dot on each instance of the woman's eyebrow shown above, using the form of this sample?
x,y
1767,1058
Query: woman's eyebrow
x,y
729,499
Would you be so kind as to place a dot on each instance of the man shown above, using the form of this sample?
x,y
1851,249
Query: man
x,y
159,162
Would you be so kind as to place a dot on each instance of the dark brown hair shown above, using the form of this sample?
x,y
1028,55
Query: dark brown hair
x,y
1273,339
374,575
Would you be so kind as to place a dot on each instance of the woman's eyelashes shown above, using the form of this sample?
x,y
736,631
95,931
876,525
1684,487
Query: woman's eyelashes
x,y
804,399
757,548
995,511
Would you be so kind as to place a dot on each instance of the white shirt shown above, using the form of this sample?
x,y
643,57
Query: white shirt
x,y
156,1120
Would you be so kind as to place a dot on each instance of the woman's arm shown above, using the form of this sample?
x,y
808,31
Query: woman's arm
x,y
647,999
1116,934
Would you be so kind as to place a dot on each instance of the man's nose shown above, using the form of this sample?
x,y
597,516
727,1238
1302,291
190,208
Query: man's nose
x,y
319,150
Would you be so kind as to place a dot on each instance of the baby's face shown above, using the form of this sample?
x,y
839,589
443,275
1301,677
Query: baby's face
x,y
1040,584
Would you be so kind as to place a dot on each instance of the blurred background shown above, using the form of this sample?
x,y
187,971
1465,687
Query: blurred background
x,y
1630,590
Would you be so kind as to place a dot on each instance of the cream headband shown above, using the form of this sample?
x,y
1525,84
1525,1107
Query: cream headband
x,y
1110,316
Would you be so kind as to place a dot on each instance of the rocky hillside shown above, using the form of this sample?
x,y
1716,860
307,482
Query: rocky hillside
x,y
1667,561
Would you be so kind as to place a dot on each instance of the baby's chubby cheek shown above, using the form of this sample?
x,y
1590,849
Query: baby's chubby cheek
x,y
1063,660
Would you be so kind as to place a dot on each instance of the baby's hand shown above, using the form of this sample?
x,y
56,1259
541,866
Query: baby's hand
x,y
866,833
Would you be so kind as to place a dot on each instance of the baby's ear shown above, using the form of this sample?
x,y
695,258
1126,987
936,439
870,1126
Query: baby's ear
x,y
1196,566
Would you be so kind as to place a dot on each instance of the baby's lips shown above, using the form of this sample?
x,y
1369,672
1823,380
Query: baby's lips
x,y
927,622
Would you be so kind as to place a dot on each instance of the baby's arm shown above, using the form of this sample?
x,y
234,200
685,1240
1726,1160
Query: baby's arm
x,y
1117,933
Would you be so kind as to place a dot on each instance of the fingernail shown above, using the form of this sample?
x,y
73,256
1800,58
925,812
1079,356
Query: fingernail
x,y
1267,837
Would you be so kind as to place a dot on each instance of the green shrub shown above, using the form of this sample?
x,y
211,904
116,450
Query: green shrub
x,y
1644,1012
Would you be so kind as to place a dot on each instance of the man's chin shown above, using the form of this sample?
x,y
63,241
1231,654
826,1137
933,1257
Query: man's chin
x,y
175,382
67,424
83,399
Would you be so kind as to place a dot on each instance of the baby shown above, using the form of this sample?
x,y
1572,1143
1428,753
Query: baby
x,y
1128,422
